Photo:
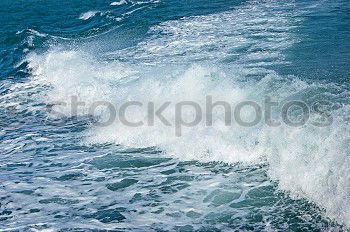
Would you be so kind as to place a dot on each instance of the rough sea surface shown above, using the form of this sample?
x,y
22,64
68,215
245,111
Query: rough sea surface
x,y
67,174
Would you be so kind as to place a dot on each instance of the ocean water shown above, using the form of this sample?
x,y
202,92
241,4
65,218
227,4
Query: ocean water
x,y
63,172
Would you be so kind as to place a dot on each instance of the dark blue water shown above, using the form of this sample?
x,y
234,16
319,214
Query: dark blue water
x,y
67,174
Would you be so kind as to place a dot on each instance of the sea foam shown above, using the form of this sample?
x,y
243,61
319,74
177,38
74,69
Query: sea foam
x,y
88,14
308,161
122,2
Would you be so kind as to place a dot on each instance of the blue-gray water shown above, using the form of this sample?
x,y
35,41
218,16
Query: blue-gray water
x,y
66,174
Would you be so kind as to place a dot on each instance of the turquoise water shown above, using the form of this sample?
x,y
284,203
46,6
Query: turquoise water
x,y
67,174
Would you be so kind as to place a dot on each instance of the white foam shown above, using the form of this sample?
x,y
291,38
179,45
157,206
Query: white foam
x,y
121,2
237,34
88,14
310,162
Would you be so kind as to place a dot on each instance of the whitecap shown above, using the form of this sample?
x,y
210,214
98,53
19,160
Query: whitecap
x,y
88,14
122,2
